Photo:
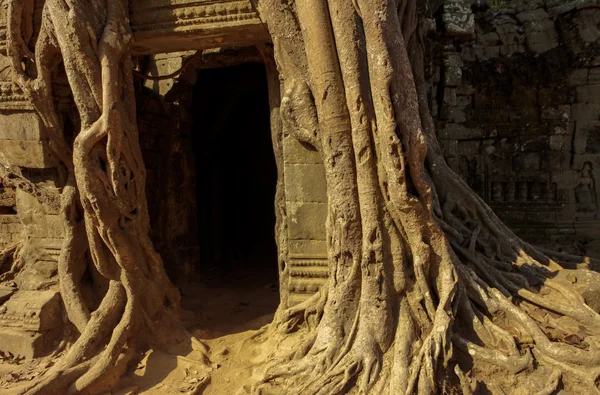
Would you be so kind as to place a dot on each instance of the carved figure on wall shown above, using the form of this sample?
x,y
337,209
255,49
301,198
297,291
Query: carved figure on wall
x,y
424,280
585,192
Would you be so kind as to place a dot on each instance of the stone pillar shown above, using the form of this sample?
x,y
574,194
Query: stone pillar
x,y
306,200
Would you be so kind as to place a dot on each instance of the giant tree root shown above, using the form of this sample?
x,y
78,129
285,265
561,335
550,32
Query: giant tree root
x,y
425,282
103,201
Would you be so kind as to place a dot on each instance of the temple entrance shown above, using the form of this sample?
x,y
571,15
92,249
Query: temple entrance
x,y
236,177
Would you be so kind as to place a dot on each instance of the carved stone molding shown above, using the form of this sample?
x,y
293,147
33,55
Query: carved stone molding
x,y
177,25
12,98
173,25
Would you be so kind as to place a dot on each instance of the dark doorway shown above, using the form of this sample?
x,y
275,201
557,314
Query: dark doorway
x,y
236,177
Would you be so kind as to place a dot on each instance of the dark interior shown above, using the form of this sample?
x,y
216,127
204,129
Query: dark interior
x,y
236,172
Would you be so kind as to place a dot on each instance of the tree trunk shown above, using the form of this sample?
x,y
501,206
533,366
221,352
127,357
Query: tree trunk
x,y
423,275
107,174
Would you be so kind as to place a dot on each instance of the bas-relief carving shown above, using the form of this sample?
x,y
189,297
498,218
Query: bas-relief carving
x,y
586,192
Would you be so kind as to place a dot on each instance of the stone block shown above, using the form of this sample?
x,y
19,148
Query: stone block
x,y
509,34
560,142
23,141
26,153
556,113
541,36
464,101
493,52
305,183
594,76
453,131
534,143
458,19
36,311
583,132
450,96
581,112
491,39
307,248
465,89
306,220
588,93
578,77
452,76
558,7
454,114
19,126
532,15
556,160
553,96
449,147
7,197
453,59
24,344
468,148
527,161
297,152
526,5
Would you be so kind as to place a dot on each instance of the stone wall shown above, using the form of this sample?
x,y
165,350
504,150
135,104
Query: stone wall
x,y
11,229
165,127
516,98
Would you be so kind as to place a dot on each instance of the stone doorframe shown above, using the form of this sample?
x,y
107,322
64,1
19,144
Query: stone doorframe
x,y
183,25
162,26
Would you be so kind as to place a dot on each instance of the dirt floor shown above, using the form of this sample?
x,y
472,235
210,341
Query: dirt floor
x,y
224,311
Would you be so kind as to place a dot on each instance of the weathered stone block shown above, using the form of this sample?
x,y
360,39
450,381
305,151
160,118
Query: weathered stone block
x,y
305,183
557,7
23,141
526,5
583,132
541,36
594,76
469,148
588,93
492,52
7,197
306,220
449,147
450,96
491,39
556,113
464,101
453,131
578,77
24,344
560,142
32,310
534,143
297,152
452,59
527,161
458,19
535,15
307,248
453,76
455,114
585,112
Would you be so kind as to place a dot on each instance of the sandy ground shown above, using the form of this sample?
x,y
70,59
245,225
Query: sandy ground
x,y
225,311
